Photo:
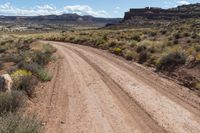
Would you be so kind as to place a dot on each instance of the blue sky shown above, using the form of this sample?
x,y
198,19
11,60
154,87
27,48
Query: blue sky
x,y
98,8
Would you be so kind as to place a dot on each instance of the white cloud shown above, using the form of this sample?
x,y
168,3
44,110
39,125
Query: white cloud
x,y
85,10
8,9
175,3
183,2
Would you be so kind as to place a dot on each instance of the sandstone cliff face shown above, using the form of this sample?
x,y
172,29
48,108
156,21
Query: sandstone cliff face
x,y
180,12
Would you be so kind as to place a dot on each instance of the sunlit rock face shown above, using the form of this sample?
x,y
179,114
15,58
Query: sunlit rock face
x,y
180,12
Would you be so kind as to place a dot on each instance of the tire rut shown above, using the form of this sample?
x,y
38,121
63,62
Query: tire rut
x,y
160,86
129,103
149,103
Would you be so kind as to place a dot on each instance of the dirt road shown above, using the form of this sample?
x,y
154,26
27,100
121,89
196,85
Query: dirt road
x,y
95,92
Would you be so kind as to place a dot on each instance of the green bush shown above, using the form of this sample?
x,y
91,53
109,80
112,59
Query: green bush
x,y
129,55
11,101
117,51
37,70
15,123
16,75
171,60
43,75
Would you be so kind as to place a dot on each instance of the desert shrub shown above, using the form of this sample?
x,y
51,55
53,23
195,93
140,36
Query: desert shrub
x,y
177,35
198,57
197,85
186,34
152,33
171,60
98,41
117,51
11,101
11,58
136,37
194,35
15,123
28,40
2,49
112,43
129,55
42,58
23,47
143,56
197,48
188,41
32,67
16,75
175,41
133,43
163,32
1,65
49,49
24,81
37,70
43,75
26,84
141,48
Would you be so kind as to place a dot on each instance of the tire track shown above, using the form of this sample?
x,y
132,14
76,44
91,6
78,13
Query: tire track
x,y
173,91
186,99
126,100
112,97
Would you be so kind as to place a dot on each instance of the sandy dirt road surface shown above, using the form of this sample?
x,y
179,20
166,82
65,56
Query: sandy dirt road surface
x,y
95,92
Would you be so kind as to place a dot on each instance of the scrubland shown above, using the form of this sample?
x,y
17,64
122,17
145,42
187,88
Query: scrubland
x,y
24,59
173,49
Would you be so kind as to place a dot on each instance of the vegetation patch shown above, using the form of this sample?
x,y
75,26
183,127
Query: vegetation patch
x,y
11,101
149,46
29,58
171,61
15,123
43,75
129,55
117,51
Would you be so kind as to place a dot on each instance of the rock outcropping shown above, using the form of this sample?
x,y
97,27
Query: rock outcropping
x,y
180,12
6,83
